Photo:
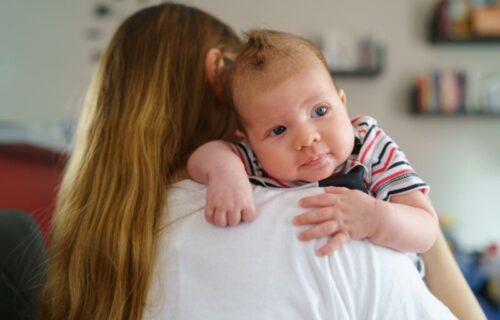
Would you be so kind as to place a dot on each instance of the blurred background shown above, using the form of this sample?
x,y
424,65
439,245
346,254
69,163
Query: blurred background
x,y
427,70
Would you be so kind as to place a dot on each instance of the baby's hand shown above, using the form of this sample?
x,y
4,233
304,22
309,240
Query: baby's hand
x,y
340,214
229,201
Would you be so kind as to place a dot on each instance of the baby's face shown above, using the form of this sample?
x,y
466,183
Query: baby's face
x,y
299,129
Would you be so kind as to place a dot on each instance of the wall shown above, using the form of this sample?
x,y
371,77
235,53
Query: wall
x,y
44,69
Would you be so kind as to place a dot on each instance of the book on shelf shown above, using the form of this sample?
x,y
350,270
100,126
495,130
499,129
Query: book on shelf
x,y
456,92
440,91
466,20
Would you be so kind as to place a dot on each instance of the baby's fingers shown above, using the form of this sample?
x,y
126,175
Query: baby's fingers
x,y
329,198
321,230
317,200
333,244
314,216
233,217
209,214
220,218
249,213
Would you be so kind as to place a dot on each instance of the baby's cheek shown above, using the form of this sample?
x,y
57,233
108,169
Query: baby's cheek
x,y
280,167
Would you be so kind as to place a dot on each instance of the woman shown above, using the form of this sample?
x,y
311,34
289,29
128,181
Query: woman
x,y
155,99
149,108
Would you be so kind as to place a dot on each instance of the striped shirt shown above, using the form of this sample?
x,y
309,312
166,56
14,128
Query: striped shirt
x,y
386,170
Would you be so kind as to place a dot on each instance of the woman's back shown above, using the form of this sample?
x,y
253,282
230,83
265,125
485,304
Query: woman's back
x,y
262,271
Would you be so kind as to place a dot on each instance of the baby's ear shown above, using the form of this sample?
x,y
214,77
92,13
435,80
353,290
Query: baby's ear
x,y
240,134
343,97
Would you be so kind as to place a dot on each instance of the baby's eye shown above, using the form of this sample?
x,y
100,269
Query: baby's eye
x,y
319,111
277,131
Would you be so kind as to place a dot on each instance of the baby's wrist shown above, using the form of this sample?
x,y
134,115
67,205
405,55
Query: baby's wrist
x,y
379,213
228,175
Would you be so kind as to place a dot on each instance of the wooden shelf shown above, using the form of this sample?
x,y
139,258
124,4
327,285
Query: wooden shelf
x,y
438,83
356,73
437,39
363,72
472,114
415,109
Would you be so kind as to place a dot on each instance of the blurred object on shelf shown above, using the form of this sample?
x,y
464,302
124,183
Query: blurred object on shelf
x,y
348,54
458,11
465,20
485,21
440,91
456,92
340,49
491,263
481,268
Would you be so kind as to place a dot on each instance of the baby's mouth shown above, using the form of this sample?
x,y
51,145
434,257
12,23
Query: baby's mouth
x,y
317,160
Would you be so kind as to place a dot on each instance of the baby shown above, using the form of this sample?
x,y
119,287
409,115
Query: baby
x,y
296,130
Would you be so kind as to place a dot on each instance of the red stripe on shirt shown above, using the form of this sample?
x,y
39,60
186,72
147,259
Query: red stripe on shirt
x,y
369,146
355,119
387,162
392,176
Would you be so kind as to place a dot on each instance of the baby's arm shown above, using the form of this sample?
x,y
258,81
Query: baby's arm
x,y
407,223
229,193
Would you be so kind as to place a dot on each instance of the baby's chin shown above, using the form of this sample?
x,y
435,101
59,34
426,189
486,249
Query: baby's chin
x,y
314,176
308,175
317,175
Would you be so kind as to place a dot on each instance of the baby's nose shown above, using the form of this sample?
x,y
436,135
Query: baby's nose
x,y
306,138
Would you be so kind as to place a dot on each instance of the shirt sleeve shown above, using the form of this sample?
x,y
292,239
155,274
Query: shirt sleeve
x,y
389,170
248,158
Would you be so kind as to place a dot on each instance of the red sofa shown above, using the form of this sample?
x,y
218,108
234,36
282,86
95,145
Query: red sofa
x,y
29,178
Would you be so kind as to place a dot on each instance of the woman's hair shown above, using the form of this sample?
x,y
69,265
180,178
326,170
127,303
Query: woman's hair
x,y
145,113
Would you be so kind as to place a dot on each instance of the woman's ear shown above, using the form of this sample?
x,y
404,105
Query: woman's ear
x,y
343,97
214,63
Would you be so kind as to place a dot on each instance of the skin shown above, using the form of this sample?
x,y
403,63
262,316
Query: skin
x,y
442,270
406,223
299,129
225,206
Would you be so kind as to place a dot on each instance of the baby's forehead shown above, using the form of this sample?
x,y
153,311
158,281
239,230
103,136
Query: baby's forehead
x,y
247,83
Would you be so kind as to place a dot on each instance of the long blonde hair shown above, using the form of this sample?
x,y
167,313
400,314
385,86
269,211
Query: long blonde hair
x,y
146,112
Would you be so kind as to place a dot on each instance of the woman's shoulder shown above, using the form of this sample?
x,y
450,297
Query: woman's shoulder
x,y
184,197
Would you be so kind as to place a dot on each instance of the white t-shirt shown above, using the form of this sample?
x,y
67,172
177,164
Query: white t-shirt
x,y
260,270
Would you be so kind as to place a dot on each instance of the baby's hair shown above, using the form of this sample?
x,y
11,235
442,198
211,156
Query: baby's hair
x,y
263,46
267,58
259,44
